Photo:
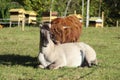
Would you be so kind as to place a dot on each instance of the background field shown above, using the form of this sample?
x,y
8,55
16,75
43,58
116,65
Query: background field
x,y
19,50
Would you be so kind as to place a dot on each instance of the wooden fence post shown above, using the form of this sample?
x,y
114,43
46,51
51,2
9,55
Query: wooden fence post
x,y
102,19
23,24
117,23
10,24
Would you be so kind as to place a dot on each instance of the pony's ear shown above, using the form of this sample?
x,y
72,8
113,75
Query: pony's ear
x,y
49,25
40,25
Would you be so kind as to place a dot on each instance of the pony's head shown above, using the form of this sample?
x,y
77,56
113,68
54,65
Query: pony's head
x,y
45,35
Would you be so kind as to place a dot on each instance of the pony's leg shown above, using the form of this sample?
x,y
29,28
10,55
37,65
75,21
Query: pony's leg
x,y
95,62
58,64
42,60
90,63
54,66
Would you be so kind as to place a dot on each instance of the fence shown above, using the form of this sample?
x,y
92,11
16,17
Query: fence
x,y
10,22
6,22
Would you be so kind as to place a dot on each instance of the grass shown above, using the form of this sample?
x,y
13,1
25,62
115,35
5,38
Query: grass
x,y
19,50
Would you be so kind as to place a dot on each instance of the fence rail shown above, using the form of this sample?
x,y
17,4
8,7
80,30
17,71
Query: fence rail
x,y
9,22
6,21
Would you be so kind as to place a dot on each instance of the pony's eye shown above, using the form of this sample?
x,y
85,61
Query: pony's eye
x,y
52,36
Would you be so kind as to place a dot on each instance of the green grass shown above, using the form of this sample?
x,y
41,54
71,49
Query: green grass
x,y
19,50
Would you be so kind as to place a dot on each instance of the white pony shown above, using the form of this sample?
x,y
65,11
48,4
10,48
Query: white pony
x,y
68,54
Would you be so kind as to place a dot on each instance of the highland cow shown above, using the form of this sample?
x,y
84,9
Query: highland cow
x,y
67,29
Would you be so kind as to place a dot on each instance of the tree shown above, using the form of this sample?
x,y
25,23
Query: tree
x,y
4,7
110,7
112,11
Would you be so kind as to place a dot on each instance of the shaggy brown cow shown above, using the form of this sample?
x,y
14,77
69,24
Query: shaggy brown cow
x,y
67,29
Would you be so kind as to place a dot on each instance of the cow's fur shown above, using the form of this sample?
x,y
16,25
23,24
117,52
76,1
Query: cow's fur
x,y
67,29
68,54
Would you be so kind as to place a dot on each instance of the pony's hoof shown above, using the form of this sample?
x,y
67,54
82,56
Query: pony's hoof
x,y
40,66
52,66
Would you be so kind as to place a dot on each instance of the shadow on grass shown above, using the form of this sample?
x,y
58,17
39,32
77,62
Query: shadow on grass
x,y
12,59
89,73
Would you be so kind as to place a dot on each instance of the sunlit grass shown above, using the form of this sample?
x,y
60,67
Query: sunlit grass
x,y
19,50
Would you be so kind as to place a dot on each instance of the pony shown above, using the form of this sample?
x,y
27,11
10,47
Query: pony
x,y
54,56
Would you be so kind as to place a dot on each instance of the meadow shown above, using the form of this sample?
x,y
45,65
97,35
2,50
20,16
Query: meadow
x,y
19,51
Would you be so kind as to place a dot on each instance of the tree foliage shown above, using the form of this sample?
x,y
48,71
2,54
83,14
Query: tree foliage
x,y
4,8
6,5
112,11
110,7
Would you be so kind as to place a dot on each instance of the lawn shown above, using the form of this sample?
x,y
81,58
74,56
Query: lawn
x,y
19,50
